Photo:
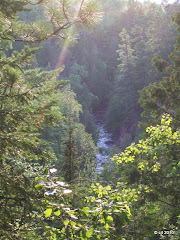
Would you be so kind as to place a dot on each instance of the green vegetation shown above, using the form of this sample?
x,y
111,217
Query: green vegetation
x,y
61,63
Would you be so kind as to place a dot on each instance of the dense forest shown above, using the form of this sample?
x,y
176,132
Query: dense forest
x,y
89,120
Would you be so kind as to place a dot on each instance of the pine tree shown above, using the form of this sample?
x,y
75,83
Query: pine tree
x,y
28,104
77,147
121,106
163,97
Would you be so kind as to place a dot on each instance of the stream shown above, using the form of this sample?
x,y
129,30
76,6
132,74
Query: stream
x,y
104,142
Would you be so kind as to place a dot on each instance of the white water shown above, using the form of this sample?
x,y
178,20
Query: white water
x,y
104,143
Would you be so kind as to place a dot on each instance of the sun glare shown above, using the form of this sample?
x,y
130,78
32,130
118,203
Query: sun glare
x,y
67,41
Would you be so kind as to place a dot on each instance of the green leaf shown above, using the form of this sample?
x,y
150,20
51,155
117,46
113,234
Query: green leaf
x,y
46,171
107,226
73,224
66,222
48,212
89,233
38,186
57,213
109,219
37,178
86,210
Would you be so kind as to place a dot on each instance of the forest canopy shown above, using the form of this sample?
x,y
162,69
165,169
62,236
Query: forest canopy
x,y
89,120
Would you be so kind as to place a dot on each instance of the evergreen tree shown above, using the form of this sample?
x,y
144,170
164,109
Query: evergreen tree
x,y
162,97
28,104
78,76
77,147
121,107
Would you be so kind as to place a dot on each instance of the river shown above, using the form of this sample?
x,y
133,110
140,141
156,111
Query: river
x,y
104,142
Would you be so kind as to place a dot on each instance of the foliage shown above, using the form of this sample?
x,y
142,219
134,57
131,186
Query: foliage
x,y
162,97
140,38
101,213
57,17
29,103
77,146
151,167
78,76
48,181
